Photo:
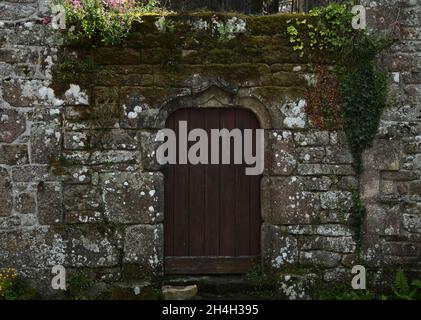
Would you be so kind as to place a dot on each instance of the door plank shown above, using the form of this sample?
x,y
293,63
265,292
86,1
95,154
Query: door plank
x,y
197,195
181,196
242,212
227,192
212,202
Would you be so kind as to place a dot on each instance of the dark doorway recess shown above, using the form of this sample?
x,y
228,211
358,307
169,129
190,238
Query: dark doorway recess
x,y
212,212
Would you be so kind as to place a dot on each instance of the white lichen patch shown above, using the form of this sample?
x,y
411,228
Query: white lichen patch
x,y
75,95
295,115
286,253
200,25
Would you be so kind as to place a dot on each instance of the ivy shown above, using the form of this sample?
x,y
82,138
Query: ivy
x,y
363,91
358,212
327,36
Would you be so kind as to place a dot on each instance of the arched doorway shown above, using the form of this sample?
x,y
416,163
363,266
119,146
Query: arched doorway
x,y
212,211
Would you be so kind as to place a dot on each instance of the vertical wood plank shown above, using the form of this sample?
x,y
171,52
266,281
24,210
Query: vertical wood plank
x,y
181,197
227,194
243,193
197,194
212,193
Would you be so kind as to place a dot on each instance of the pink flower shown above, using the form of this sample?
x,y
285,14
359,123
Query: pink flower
x,y
75,3
46,21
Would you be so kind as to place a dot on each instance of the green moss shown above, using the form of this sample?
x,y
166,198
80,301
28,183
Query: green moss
x,y
80,281
58,164
19,289
132,272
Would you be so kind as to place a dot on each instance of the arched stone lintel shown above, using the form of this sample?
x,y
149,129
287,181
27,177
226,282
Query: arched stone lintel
x,y
215,97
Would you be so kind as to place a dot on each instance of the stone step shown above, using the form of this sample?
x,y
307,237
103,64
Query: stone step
x,y
216,286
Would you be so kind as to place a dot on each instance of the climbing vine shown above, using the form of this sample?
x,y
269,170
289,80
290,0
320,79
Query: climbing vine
x,y
356,88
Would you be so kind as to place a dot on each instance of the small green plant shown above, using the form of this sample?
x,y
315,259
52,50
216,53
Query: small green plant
x,y
340,292
79,282
324,29
229,29
107,22
403,290
13,287
265,284
164,25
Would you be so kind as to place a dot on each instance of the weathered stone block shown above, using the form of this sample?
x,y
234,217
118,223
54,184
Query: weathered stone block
x,y
316,183
114,139
9,223
334,230
133,197
88,198
285,202
77,113
312,138
50,210
348,183
338,274
45,142
383,155
282,159
83,217
24,198
338,155
76,140
138,113
279,249
31,174
311,154
14,154
325,169
400,175
329,230
412,222
5,193
382,221
13,91
88,246
9,11
334,244
143,244
12,125
336,200
320,258
101,157
334,216
149,145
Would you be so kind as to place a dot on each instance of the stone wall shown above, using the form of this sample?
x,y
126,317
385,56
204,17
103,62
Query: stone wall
x,y
79,185
391,180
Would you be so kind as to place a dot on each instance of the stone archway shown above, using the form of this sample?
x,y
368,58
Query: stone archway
x,y
213,97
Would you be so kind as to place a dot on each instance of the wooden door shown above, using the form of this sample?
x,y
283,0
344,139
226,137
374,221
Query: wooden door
x,y
212,212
